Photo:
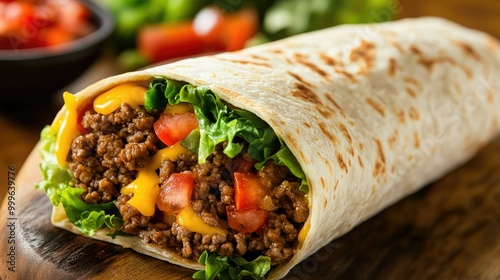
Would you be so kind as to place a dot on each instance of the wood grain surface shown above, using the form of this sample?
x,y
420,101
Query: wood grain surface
x,y
448,230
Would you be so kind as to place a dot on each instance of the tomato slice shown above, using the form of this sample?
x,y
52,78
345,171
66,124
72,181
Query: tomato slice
x,y
56,35
239,28
172,128
246,221
79,118
248,191
166,41
175,193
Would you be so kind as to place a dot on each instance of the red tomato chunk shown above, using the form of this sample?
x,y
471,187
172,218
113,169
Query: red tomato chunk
x,y
246,221
172,128
42,23
175,193
248,191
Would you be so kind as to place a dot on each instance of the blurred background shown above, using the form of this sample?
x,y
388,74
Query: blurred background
x,y
48,46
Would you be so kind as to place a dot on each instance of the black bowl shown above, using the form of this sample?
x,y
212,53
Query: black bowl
x,y
30,75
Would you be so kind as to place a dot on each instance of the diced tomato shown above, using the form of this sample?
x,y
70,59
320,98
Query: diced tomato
x,y
210,31
172,128
81,113
175,193
31,24
56,36
246,221
166,41
239,28
75,18
248,191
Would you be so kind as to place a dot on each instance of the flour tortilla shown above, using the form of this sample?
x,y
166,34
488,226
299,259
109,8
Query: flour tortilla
x,y
372,113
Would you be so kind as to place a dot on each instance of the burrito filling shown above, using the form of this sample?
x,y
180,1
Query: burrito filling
x,y
176,166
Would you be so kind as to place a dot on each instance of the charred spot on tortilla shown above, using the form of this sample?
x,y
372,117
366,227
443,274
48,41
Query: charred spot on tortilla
x,y
411,92
468,50
429,63
325,112
300,79
303,59
360,162
415,50
306,124
413,114
277,51
364,56
327,132
376,106
303,92
328,60
346,74
250,62
401,116
392,139
341,162
255,56
396,45
416,140
380,160
412,81
391,71
346,133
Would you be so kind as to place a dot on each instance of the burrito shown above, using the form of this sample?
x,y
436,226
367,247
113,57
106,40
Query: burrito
x,y
242,164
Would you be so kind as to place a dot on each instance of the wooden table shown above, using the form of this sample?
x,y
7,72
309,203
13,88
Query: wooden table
x,y
448,230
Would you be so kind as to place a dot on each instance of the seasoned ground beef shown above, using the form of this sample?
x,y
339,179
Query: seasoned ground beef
x,y
107,158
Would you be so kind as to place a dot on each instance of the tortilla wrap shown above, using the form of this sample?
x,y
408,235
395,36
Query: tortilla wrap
x,y
371,112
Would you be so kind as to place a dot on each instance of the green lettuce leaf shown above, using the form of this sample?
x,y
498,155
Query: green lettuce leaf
x,y
229,268
88,217
219,123
58,185
54,176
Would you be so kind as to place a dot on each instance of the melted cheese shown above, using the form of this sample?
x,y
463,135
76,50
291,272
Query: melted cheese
x,y
145,186
169,153
303,233
194,223
132,94
145,189
66,125
180,108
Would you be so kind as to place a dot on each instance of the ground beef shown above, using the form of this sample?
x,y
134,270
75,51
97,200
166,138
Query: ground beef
x,y
212,192
107,157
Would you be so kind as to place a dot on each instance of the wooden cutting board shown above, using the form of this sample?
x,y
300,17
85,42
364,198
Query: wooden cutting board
x,y
448,230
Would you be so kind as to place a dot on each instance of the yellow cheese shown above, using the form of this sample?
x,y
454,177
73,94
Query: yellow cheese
x,y
180,108
303,233
132,94
170,153
145,189
194,223
67,128
145,186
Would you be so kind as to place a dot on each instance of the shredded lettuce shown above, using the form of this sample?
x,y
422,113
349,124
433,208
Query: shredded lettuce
x,y
219,123
229,268
58,185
